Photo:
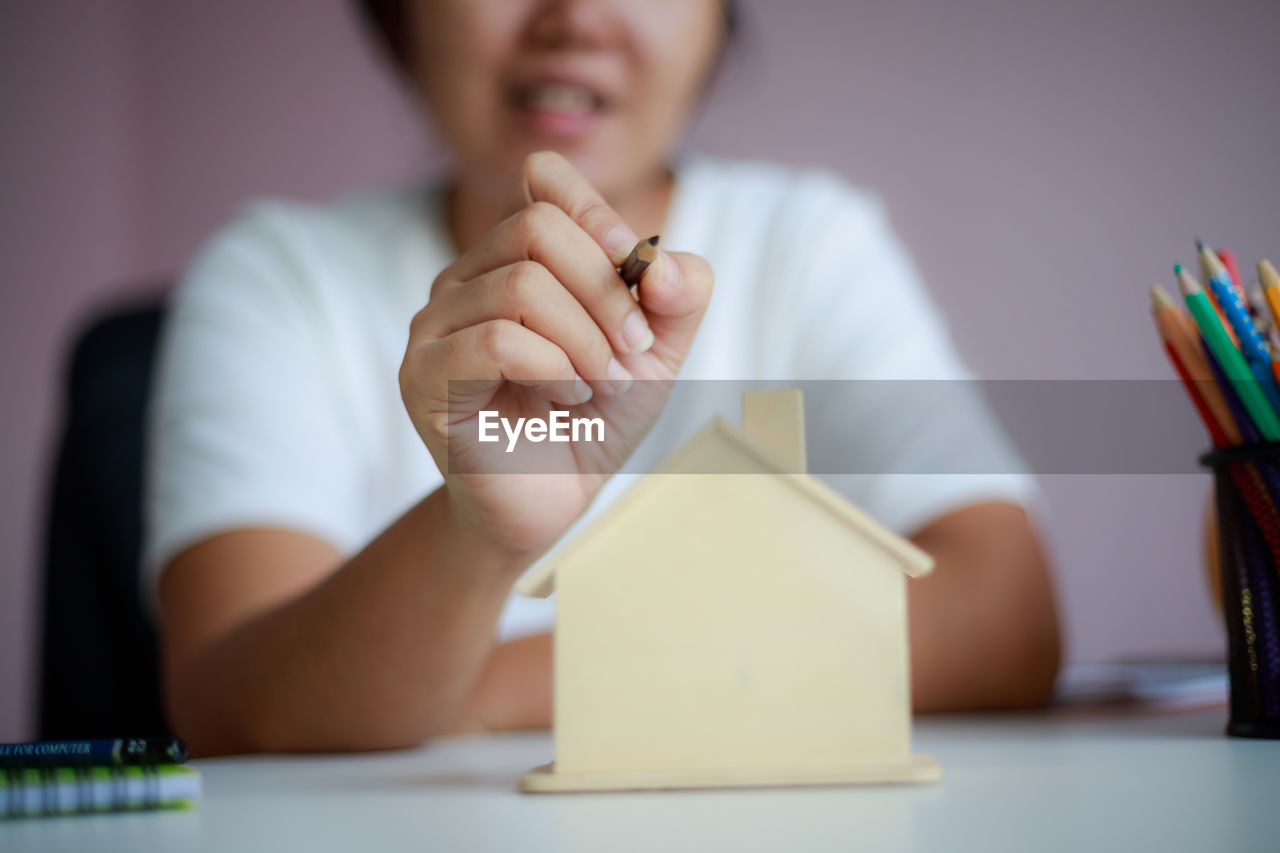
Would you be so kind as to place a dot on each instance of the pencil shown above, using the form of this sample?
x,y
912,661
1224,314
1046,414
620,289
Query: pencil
x,y
1213,300
1269,281
1209,260
1233,364
1249,340
1254,486
1232,305
1248,432
1261,313
1216,434
1228,259
118,752
638,261
1182,344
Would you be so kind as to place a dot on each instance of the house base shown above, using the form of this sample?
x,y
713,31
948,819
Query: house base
x,y
913,769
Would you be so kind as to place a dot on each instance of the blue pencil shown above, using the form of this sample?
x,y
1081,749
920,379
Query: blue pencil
x,y
1233,308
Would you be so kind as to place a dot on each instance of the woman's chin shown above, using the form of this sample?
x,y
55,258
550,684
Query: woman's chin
x,y
601,157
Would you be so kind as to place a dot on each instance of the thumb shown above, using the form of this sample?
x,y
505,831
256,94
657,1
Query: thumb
x,y
674,293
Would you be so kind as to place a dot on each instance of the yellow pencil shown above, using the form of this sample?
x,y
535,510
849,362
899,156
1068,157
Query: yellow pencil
x,y
1269,280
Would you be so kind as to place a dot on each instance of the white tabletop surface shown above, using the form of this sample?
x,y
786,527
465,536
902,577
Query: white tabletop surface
x,y
1033,783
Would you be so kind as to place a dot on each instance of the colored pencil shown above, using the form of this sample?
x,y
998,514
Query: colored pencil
x,y
1182,344
1269,281
1232,305
117,752
1213,299
1233,364
1228,259
1240,417
1216,434
1261,313
1251,344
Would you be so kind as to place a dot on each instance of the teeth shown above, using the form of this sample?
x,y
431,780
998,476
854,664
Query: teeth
x,y
558,98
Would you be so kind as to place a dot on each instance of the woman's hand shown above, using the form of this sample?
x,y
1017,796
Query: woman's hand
x,y
535,318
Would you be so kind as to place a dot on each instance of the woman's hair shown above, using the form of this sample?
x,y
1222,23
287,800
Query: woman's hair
x,y
388,21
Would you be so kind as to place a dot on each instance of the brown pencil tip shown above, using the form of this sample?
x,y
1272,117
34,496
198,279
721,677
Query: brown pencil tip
x,y
644,253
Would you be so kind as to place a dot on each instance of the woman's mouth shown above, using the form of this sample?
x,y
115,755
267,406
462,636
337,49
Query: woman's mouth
x,y
558,109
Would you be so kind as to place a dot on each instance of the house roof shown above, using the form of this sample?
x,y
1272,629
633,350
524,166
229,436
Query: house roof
x,y
692,458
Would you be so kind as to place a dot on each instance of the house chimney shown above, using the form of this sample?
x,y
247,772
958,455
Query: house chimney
x,y
775,419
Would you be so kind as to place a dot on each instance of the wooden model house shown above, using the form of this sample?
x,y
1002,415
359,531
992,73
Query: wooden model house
x,y
741,627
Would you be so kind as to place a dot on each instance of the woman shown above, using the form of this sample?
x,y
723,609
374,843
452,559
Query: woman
x,y
321,585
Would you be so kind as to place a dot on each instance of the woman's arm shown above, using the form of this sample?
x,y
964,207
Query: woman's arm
x,y
270,640
267,648
984,629
513,689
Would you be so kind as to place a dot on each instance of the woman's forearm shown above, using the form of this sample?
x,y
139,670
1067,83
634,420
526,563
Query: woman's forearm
x,y
397,645
513,689
379,654
983,626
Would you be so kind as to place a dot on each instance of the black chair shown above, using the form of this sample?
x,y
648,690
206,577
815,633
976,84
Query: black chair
x,y
99,674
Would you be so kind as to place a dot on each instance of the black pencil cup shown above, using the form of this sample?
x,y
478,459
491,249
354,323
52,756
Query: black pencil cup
x,y
1247,490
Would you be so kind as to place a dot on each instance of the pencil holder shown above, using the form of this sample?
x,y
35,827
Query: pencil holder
x,y
1247,490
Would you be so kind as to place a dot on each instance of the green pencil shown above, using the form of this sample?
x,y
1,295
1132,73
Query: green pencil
x,y
1229,358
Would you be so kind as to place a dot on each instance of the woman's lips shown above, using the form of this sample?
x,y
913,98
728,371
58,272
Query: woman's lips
x,y
557,109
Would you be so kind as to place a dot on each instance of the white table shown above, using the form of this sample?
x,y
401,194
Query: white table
x,y
1044,782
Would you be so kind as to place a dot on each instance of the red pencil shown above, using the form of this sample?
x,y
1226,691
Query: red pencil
x,y
1183,345
1216,435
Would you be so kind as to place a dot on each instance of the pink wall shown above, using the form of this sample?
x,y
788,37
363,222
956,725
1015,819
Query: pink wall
x,y
67,234
1045,161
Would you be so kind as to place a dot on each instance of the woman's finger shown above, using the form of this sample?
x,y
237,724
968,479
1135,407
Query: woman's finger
x,y
438,374
548,176
527,293
544,233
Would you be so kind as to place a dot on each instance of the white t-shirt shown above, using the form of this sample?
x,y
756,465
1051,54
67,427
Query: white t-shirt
x,y
277,401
